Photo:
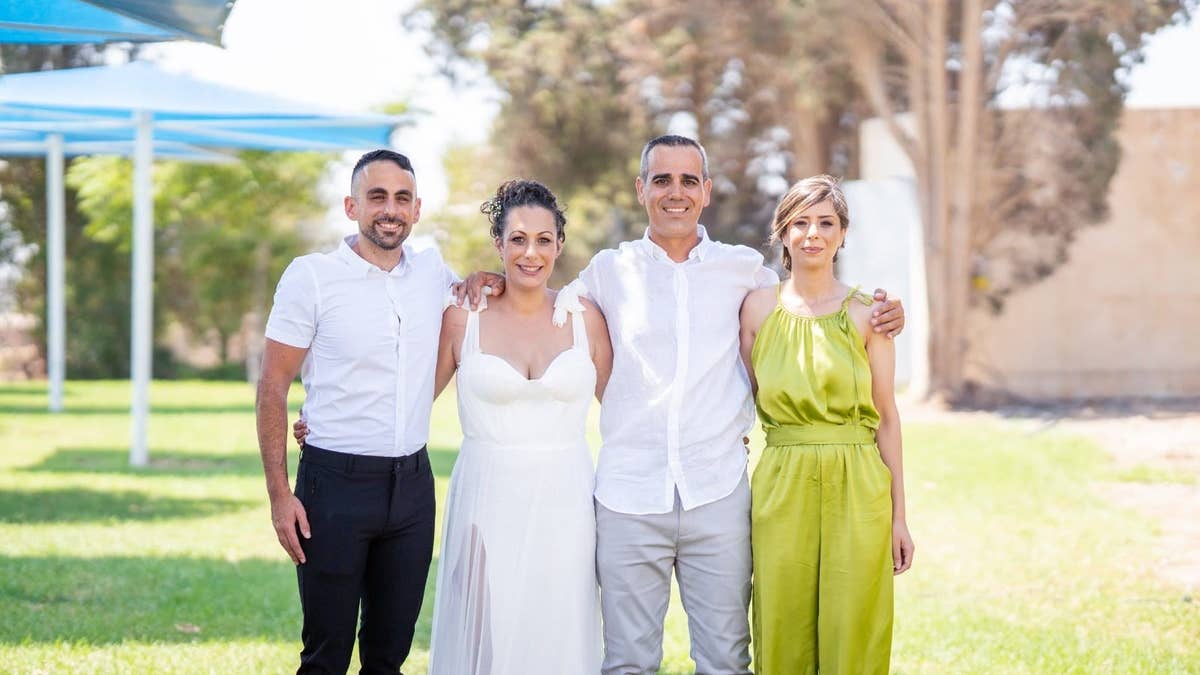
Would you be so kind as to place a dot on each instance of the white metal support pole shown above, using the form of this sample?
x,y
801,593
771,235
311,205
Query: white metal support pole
x,y
143,286
56,312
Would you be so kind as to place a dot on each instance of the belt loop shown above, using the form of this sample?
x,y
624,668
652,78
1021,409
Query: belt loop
x,y
350,463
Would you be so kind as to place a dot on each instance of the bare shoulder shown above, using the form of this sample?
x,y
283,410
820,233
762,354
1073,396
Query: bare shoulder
x,y
761,300
861,307
592,310
454,318
593,318
757,305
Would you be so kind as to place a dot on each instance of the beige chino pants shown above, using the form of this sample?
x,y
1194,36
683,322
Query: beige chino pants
x,y
708,548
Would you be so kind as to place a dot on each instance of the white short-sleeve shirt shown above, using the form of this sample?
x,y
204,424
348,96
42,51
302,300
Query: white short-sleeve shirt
x,y
679,401
372,337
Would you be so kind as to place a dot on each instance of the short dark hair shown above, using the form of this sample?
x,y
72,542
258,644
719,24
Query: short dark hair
x,y
674,141
521,192
380,155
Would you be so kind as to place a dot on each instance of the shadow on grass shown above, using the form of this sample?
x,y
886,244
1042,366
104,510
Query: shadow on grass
x,y
15,389
184,463
162,463
144,599
79,505
75,411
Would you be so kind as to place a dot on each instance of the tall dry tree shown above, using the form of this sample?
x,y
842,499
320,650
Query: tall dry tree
x,y
1001,191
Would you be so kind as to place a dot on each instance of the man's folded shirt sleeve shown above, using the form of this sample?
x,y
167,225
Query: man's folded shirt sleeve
x,y
293,319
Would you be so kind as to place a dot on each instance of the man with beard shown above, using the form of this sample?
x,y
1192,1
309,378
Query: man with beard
x,y
360,324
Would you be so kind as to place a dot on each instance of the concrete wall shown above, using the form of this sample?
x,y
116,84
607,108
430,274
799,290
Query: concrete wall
x,y
884,250
1122,316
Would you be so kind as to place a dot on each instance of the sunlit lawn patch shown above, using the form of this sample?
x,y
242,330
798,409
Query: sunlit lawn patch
x,y
1022,565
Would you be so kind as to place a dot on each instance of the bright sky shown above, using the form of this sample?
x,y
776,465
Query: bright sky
x,y
1167,78
350,54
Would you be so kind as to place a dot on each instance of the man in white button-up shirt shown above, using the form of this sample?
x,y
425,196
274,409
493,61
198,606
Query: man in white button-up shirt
x,y
361,326
671,486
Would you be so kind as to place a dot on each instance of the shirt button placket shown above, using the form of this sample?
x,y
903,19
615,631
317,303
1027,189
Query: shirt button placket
x,y
399,326
679,384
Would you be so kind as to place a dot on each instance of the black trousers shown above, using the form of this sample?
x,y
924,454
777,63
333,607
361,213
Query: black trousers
x,y
371,520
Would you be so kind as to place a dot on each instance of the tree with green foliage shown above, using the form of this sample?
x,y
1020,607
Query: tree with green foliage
x,y
223,232
776,89
588,83
560,122
97,346
1002,192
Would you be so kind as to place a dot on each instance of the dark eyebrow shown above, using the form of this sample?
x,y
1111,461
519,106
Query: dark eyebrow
x,y
382,191
667,175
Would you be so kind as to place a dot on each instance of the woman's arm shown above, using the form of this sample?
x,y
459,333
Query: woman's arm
x,y
755,308
600,344
454,326
881,354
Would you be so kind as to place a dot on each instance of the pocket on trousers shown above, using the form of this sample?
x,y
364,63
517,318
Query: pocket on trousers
x,y
306,485
885,486
334,548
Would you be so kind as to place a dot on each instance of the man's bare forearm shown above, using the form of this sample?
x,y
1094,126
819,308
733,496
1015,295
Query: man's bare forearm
x,y
271,409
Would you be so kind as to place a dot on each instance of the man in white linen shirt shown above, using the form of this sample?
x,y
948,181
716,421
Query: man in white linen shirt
x,y
671,486
361,326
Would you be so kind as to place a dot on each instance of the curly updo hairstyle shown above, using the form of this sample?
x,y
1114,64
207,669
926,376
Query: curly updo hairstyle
x,y
521,192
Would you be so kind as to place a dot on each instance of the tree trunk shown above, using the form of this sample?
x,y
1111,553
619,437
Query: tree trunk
x,y
933,124
968,110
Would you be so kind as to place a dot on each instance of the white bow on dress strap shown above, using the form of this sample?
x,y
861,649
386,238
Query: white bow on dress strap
x,y
568,301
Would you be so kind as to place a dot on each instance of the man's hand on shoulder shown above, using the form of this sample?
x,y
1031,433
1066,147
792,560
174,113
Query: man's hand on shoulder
x,y
887,318
472,288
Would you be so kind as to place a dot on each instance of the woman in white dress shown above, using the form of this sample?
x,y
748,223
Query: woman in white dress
x,y
516,582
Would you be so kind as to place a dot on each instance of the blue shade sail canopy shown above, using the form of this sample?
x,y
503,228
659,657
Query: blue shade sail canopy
x,y
98,104
99,21
141,110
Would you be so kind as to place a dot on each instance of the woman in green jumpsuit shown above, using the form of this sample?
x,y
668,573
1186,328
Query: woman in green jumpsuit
x,y
827,515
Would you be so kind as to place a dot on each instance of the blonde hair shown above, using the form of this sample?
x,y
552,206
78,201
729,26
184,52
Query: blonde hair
x,y
800,197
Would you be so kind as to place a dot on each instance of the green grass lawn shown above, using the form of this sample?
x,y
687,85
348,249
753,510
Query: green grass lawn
x,y
1022,565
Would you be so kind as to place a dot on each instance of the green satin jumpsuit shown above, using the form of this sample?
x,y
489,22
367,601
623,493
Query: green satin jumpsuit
x,y
821,509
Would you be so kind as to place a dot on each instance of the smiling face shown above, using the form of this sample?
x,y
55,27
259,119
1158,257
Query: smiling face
x,y
674,191
529,246
814,236
385,204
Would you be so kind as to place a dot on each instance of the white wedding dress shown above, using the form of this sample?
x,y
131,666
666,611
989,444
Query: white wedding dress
x,y
516,579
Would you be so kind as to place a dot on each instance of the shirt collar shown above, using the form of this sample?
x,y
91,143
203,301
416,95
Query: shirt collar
x,y
699,252
356,262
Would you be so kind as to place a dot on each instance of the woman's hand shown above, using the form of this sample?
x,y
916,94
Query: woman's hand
x,y
300,431
902,547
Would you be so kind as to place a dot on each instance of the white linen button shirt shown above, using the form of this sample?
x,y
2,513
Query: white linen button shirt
x,y
372,338
679,400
